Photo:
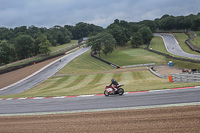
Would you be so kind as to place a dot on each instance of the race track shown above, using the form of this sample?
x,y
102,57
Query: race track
x,y
162,97
45,73
173,47
152,98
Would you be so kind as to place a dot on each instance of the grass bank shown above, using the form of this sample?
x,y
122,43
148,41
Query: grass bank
x,y
196,41
52,48
86,75
85,84
130,56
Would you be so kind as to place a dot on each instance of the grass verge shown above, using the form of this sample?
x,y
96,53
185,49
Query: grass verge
x,y
86,84
52,48
130,56
196,41
86,75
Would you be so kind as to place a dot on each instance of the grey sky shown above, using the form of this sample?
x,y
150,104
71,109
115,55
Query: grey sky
x,y
47,13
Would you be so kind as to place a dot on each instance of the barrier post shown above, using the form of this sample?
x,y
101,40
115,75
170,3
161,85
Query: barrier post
x,y
170,78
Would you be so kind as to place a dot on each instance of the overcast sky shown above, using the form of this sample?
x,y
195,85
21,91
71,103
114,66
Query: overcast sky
x,y
48,13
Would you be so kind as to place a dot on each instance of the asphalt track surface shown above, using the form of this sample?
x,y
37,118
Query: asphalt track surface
x,y
161,97
43,74
173,47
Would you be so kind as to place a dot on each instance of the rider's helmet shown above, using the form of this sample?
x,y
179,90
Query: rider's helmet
x,y
112,80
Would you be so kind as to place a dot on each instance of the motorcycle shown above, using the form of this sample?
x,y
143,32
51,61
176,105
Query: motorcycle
x,y
109,90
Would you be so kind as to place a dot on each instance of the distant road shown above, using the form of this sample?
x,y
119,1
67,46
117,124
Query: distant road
x,y
173,47
39,77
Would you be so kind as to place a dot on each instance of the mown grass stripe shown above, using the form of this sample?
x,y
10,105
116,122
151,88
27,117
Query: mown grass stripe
x,y
96,63
57,83
78,80
138,75
118,76
96,79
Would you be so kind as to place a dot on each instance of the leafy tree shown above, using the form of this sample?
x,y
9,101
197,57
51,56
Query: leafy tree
x,y
150,24
196,24
120,34
146,33
84,30
7,52
134,27
24,45
107,42
33,31
6,33
167,23
43,44
102,41
59,35
136,40
95,42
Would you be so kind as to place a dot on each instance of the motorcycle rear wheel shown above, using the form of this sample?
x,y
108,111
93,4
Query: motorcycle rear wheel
x,y
106,93
121,91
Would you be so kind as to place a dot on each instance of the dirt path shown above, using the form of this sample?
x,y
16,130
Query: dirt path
x,y
166,70
156,120
14,76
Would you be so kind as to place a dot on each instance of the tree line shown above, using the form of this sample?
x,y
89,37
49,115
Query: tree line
x,y
23,42
140,33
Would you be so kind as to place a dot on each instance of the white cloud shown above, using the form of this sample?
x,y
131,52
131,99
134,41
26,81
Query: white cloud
x,y
60,12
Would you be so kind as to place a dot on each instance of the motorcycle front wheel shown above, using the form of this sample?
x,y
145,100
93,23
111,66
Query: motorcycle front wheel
x,y
106,93
121,91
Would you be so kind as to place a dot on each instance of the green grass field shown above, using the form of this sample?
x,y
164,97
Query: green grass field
x,y
84,84
130,56
196,41
87,75
84,64
158,45
52,48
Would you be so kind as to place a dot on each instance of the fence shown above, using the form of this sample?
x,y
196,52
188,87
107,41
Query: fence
x,y
172,57
180,78
157,74
191,35
139,65
186,78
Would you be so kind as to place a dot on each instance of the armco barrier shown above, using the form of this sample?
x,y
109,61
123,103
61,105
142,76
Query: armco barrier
x,y
179,78
190,45
186,78
172,57
157,74
140,65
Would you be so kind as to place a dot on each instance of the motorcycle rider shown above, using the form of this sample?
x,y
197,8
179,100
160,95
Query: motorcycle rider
x,y
115,83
